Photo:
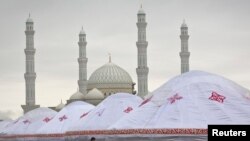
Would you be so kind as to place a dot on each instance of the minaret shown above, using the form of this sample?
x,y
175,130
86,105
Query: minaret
x,y
30,75
184,54
142,69
82,60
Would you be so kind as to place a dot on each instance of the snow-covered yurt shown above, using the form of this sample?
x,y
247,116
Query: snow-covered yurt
x,y
107,112
62,121
30,122
189,102
3,125
192,100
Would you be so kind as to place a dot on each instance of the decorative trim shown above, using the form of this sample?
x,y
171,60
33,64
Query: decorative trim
x,y
173,131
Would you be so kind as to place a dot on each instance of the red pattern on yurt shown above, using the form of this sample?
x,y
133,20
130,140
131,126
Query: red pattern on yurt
x,y
129,109
217,97
26,121
174,98
84,114
64,117
145,101
47,119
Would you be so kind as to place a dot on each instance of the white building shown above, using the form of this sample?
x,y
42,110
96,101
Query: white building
x,y
109,78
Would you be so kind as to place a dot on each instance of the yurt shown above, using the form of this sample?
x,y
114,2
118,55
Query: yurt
x,y
61,122
187,104
199,83
30,122
3,125
107,112
137,119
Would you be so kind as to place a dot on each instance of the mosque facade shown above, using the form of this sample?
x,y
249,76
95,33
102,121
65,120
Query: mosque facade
x,y
108,79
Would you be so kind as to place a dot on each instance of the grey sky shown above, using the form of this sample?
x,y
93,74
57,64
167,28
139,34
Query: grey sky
x,y
219,42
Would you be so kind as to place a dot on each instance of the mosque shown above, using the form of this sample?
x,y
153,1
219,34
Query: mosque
x,y
106,80
180,109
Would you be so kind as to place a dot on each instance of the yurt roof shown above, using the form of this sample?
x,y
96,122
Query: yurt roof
x,y
69,114
192,100
31,121
108,111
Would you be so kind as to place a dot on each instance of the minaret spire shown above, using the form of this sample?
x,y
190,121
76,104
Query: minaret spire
x,y
142,69
109,58
30,75
82,60
184,54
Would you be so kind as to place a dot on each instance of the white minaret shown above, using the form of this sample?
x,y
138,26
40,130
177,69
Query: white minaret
x,y
30,75
142,69
82,60
184,54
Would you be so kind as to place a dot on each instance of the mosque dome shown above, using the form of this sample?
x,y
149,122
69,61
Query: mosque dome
x,y
110,73
60,106
94,94
110,79
77,95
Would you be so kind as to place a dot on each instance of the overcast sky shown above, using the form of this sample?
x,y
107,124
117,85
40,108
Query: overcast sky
x,y
219,42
